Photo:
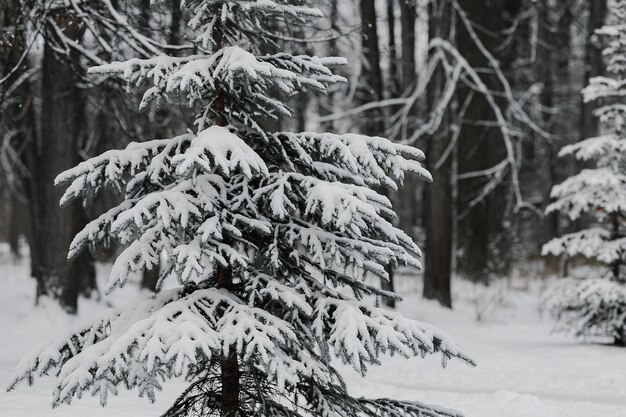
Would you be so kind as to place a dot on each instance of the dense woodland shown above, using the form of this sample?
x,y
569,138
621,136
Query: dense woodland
x,y
489,90
264,169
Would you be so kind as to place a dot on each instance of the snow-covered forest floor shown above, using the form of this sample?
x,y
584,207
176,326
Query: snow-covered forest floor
x,y
523,370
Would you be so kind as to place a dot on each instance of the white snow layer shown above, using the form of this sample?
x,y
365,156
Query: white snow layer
x,y
523,370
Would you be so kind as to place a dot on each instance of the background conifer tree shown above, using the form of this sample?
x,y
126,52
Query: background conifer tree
x,y
596,306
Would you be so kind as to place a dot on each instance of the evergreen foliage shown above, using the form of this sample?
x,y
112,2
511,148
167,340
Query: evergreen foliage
x,y
596,306
275,239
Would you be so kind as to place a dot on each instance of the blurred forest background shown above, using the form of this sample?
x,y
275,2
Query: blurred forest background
x,y
490,90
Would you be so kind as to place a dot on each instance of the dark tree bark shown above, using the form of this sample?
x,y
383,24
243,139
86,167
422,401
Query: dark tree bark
x,y
438,210
544,69
393,78
13,221
231,374
593,63
327,102
408,16
145,16
150,278
230,384
55,152
407,210
552,70
81,269
371,89
481,230
478,150
177,16
616,266
302,106
15,115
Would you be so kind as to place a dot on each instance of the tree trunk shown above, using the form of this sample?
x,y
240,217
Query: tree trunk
x,y
593,64
302,106
400,83
177,16
14,114
481,147
408,16
81,269
14,223
231,374
55,152
150,278
552,70
230,384
616,266
371,89
145,14
407,209
327,102
394,83
438,210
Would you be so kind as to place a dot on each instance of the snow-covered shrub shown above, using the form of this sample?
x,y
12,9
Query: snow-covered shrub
x,y
589,308
271,236
489,300
595,306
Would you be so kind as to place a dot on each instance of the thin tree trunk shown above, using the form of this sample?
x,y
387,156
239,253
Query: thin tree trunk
x,y
407,209
13,222
302,103
150,277
552,69
34,199
544,67
615,234
438,211
593,64
408,15
231,373
394,83
327,102
439,233
371,89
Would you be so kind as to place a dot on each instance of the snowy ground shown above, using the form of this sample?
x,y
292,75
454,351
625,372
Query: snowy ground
x,y
523,370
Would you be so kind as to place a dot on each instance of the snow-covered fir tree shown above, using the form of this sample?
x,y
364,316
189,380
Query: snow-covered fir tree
x,y
596,306
274,239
